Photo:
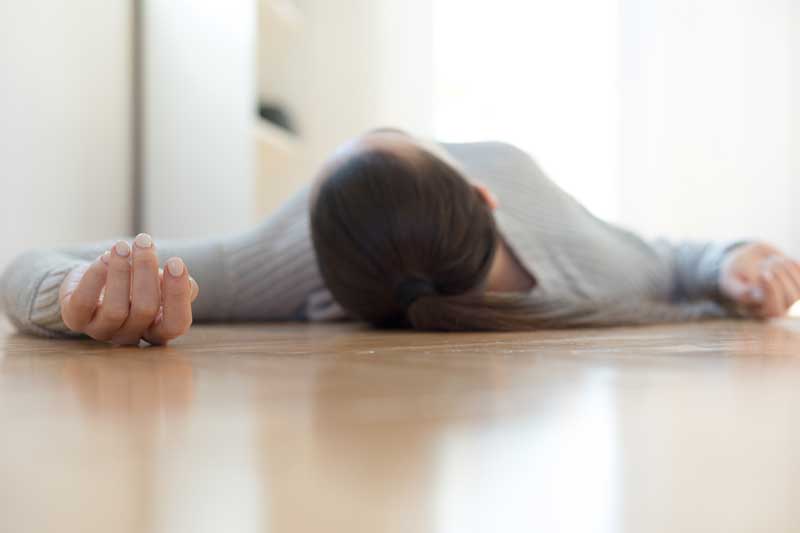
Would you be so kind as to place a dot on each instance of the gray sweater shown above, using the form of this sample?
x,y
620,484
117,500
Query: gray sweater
x,y
269,272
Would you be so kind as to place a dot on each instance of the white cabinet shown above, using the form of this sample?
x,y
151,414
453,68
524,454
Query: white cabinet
x,y
337,68
65,93
198,99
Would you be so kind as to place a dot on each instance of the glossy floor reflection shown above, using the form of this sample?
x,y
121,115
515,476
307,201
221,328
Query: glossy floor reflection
x,y
298,428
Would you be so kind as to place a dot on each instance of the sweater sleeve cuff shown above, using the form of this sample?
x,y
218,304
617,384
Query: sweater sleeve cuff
x,y
30,293
45,311
710,267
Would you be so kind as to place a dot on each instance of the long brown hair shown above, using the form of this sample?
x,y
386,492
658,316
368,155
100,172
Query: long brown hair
x,y
406,240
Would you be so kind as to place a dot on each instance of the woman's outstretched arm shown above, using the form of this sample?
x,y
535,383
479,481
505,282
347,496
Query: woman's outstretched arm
x,y
267,272
694,266
752,278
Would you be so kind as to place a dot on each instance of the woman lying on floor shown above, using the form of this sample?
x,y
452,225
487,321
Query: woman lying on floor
x,y
397,231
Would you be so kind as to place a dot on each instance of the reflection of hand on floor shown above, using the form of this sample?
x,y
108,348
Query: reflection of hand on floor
x,y
118,388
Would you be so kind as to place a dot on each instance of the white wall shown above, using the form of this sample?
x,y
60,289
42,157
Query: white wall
x,y
64,122
362,64
402,64
710,118
673,117
795,90
354,64
540,74
199,103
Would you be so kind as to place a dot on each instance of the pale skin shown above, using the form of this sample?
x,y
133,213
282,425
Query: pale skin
x,y
123,297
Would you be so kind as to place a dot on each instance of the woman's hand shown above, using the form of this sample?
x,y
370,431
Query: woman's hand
x,y
123,296
761,280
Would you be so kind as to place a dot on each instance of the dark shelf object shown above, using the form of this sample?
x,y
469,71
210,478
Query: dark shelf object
x,y
277,115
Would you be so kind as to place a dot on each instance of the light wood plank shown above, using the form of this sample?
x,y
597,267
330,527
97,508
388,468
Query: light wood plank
x,y
307,428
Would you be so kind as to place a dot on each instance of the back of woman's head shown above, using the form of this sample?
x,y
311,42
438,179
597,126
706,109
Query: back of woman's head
x,y
395,232
403,239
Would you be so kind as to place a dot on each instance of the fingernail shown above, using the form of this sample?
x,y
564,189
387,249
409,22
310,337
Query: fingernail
x,y
123,249
757,294
105,257
175,266
143,240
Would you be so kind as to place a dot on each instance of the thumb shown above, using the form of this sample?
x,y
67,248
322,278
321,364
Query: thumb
x,y
72,279
742,291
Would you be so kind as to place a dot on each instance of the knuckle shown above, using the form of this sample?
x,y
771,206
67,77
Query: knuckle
x,y
145,310
67,319
178,290
115,314
147,260
120,265
80,306
99,336
171,332
176,329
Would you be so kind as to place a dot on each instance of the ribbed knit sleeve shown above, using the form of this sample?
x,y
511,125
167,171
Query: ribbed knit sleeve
x,y
267,272
695,267
271,271
29,291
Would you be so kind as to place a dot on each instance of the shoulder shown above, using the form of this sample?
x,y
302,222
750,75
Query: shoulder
x,y
485,149
499,164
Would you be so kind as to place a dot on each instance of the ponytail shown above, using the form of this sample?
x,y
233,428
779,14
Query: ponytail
x,y
515,312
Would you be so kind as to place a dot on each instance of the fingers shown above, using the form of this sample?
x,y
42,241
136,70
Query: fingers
x,y
145,292
195,286
116,300
793,267
176,316
773,298
118,297
780,278
78,305
742,290
788,275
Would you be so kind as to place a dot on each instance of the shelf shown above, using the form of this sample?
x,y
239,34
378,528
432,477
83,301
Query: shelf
x,y
284,12
274,136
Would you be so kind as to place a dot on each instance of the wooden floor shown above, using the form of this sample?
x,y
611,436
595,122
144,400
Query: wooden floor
x,y
297,428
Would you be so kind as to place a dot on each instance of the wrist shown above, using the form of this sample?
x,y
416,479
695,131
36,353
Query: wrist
x,y
721,265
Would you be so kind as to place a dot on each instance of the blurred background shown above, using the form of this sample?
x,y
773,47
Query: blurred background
x,y
192,118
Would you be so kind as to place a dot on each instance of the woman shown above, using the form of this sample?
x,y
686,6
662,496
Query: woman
x,y
402,232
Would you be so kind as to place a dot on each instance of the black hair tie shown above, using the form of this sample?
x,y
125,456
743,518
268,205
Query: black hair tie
x,y
410,289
